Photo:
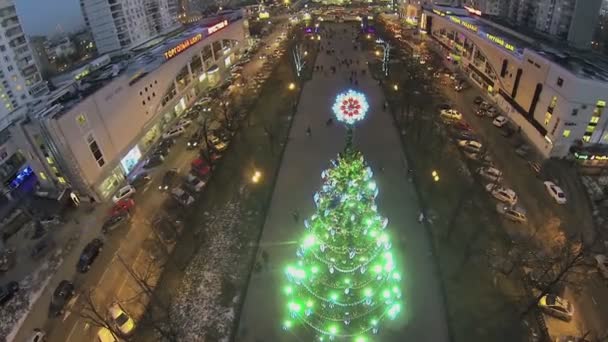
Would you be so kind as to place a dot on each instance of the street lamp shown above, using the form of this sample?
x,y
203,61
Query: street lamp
x,y
396,87
291,86
377,53
305,53
435,175
257,175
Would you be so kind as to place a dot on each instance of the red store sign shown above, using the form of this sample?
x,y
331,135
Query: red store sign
x,y
181,47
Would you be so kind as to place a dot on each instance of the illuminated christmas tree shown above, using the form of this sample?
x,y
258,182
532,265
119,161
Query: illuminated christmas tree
x,y
344,282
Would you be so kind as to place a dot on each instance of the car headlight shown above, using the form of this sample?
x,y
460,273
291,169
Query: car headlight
x,y
160,188
189,144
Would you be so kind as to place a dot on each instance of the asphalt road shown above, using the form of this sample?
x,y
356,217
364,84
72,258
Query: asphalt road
x,y
424,315
108,275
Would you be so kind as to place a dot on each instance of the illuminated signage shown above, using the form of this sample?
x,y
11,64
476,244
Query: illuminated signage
x,y
590,157
264,15
438,12
217,27
500,41
472,10
466,24
183,46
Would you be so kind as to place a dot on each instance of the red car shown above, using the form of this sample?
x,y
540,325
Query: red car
x,y
462,126
200,167
125,204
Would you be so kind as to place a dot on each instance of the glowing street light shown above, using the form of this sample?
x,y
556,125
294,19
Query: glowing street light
x,y
377,53
369,36
435,175
291,86
256,177
305,53
396,87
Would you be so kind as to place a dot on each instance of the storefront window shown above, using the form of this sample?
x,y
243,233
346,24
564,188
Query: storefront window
x,y
148,139
180,106
130,160
111,183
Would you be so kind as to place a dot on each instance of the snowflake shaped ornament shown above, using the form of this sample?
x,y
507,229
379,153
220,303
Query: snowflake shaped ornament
x,y
350,107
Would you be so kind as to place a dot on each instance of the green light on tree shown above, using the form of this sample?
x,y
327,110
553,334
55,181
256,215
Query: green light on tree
x,y
344,282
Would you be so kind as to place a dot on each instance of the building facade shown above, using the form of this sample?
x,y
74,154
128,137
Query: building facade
x,y
121,24
20,80
557,99
91,134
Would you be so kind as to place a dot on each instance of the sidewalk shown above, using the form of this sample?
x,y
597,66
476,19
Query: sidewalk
x,y
81,227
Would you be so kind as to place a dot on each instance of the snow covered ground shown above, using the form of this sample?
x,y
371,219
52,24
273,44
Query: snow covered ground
x,y
209,294
14,312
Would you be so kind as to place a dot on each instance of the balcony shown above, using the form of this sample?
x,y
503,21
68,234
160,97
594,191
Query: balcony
x,y
10,22
19,41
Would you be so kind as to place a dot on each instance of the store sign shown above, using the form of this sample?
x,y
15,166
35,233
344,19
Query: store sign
x,y
465,24
212,29
131,159
500,41
438,12
472,10
590,157
183,46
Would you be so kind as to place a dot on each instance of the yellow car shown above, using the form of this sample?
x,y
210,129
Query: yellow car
x,y
121,319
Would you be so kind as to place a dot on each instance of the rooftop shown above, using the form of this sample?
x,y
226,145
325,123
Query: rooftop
x,y
135,64
581,63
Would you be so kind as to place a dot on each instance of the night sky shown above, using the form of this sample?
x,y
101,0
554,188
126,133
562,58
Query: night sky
x,y
41,17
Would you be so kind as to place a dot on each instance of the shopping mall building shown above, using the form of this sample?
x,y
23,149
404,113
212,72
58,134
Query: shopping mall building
x,y
557,96
90,134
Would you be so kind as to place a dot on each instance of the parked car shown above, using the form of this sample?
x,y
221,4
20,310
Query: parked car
x,y
140,180
153,161
166,144
7,292
116,221
89,254
123,322
124,205
42,248
491,112
38,335
174,132
165,232
7,259
200,167
183,122
490,173
194,183
556,307
500,121
124,192
450,114
602,265
470,145
478,100
105,335
182,197
169,180
502,194
511,213
462,85
480,112
556,192
507,131
462,126
220,146
61,296
463,135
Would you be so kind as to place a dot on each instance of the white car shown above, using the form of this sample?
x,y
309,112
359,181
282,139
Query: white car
x,y
500,121
174,132
123,322
502,194
451,114
490,173
183,123
38,336
556,306
556,192
182,196
194,183
124,192
470,145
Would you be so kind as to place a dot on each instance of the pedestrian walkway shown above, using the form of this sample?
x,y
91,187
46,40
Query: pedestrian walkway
x,y
423,317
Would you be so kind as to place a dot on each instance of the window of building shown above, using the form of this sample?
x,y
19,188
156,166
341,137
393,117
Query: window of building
x,y
42,175
548,118
553,102
594,119
560,81
10,68
61,180
575,112
566,133
95,150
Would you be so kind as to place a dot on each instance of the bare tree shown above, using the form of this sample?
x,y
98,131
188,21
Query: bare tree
x,y
206,151
298,59
268,130
87,306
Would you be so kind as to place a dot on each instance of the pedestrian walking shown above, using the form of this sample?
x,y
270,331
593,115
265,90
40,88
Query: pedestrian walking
x,y
421,217
308,131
